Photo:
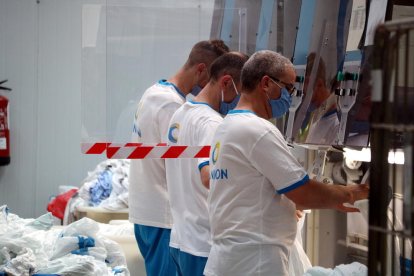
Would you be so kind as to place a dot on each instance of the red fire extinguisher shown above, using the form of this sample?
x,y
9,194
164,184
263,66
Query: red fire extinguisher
x,y
4,128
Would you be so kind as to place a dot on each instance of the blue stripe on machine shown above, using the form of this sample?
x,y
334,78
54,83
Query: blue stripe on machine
x,y
227,25
266,13
307,12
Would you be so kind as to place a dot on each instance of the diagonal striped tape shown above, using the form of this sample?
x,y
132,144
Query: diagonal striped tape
x,y
147,151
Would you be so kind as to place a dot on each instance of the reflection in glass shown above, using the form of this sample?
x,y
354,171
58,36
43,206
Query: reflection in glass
x,y
321,123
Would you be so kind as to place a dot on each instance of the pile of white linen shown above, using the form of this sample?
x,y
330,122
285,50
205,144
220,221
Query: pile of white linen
x,y
29,246
107,186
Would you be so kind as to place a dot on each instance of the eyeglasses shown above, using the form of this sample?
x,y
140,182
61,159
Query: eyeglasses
x,y
289,87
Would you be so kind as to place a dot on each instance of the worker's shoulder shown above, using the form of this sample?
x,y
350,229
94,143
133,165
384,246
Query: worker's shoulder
x,y
246,120
158,90
161,95
252,126
204,113
195,116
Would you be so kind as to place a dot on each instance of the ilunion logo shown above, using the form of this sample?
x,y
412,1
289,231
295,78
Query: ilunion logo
x,y
173,133
216,152
217,173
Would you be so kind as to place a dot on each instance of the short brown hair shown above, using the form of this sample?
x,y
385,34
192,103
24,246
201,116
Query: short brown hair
x,y
206,52
228,64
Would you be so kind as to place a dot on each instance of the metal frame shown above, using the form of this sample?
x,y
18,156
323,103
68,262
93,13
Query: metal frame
x,y
392,128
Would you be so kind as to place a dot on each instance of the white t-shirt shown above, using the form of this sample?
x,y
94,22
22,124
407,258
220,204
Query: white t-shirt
x,y
253,224
148,196
193,124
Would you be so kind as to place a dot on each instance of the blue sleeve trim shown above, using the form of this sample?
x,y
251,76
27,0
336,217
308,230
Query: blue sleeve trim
x,y
165,82
194,102
294,185
201,165
238,111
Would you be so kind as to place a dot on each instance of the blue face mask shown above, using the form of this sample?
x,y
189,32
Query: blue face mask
x,y
196,89
226,107
281,105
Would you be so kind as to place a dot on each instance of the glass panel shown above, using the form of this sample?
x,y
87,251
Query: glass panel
x,y
130,47
316,121
93,73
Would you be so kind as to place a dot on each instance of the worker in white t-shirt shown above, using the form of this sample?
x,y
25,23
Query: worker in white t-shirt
x,y
321,123
149,207
256,184
194,124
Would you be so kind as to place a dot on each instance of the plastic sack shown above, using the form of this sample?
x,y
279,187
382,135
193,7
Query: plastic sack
x,y
16,249
24,264
120,271
98,253
298,260
66,245
82,227
58,205
4,212
44,222
115,257
105,184
75,265
102,188
402,265
354,269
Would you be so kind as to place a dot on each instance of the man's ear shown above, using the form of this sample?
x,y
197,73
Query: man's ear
x,y
201,67
225,81
264,83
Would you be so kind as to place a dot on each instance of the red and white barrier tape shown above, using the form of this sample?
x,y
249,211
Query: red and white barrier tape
x,y
146,151
94,148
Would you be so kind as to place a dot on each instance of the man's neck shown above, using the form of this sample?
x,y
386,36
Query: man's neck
x,y
209,95
255,103
184,80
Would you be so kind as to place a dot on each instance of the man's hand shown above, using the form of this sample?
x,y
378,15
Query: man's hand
x,y
357,192
346,209
299,214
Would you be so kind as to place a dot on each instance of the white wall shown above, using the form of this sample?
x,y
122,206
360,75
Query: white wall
x,y
40,46
40,54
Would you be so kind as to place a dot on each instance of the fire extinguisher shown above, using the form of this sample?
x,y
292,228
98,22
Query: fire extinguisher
x,y
4,128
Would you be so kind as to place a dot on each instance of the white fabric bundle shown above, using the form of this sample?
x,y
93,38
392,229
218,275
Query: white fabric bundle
x,y
118,198
353,269
29,246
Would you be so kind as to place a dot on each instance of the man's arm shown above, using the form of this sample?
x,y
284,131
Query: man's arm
x,y
316,195
206,133
205,176
164,116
